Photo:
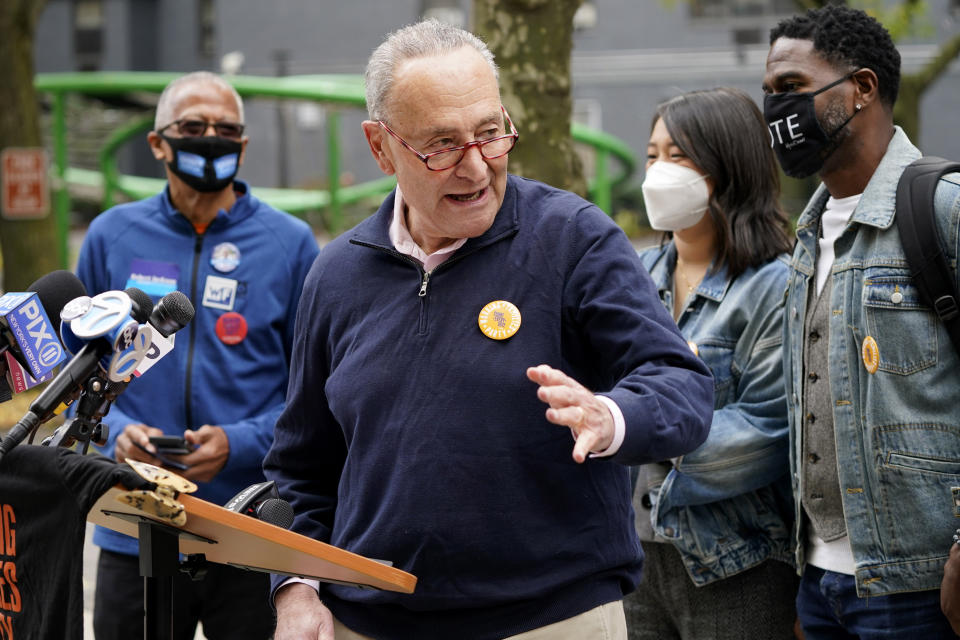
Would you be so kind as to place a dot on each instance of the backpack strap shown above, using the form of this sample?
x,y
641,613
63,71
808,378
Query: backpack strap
x,y
921,241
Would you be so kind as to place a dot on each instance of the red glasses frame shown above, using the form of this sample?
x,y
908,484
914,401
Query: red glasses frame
x,y
480,144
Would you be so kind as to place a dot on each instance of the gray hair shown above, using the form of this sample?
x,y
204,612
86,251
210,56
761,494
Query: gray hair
x,y
171,94
426,38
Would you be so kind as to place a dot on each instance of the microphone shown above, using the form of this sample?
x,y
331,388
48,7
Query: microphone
x,y
262,501
141,304
28,346
99,326
172,313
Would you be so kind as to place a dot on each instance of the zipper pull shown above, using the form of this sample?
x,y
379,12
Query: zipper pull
x,y
423,285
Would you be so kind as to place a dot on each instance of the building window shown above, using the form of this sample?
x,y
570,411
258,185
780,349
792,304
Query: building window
x,y
88,34
446,11
206,35
743,11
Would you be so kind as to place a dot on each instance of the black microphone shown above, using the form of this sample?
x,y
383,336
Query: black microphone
x,y
141,303
263,502
172,313
55,290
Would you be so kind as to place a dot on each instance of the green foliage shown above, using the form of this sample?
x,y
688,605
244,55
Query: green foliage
x,y
910,18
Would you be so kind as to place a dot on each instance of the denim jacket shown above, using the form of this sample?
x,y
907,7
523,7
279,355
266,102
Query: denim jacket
x,y
898,427
726,505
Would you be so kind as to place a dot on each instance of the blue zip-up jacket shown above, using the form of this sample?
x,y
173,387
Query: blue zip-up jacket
x,y
409,436
239,387
897,429
726,506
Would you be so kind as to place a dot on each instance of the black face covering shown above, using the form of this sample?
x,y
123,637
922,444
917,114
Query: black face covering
x,y
795,132
207,163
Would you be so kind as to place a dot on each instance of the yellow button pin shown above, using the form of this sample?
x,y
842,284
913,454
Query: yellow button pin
x,y
871,354
499,320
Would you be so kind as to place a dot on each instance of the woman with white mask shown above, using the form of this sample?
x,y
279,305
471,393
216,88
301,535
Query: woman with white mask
x,y
716,523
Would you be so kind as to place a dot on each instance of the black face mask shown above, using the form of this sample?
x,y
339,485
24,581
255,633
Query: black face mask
x,y
206,163
795,132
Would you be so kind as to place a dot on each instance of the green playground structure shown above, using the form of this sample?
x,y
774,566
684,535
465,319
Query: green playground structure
x,y
336,92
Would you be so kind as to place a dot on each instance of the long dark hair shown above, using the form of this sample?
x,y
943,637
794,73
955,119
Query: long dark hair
x,y
723,133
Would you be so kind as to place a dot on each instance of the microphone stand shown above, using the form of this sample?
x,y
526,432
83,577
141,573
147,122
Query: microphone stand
x,y
96,396
159,543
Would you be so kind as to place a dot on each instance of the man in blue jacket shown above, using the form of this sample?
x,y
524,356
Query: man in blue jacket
x,y
446,350
872,376
242,263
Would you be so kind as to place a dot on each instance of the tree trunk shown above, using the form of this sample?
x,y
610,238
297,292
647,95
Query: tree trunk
x,y
906,112
28,247
532,41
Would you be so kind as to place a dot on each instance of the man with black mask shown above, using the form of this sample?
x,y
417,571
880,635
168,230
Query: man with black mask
x,y
242,263
872,378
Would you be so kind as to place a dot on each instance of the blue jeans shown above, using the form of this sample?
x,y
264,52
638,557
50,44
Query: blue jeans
x,y
829,609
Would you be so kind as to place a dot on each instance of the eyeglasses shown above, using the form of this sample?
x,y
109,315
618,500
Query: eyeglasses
x,y
197,128
490,148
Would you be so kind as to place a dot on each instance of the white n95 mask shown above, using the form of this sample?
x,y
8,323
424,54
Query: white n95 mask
x,y
676,196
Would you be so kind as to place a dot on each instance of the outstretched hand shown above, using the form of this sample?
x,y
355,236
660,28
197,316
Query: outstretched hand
x,y
573,405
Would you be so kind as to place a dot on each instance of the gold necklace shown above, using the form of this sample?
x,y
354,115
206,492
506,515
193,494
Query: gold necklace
x,y
679,271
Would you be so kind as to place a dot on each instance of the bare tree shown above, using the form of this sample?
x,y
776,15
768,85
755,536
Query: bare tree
x,y
28,247
533,41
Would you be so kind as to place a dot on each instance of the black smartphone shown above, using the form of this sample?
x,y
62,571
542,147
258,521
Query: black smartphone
x,y
175,445
159,455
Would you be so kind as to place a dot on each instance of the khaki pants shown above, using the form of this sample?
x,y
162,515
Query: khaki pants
x,y
605,622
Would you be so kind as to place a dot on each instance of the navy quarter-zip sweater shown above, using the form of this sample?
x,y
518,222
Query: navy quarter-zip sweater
x,y
410,436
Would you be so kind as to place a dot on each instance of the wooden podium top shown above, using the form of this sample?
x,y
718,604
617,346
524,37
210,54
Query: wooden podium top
x,y
227,537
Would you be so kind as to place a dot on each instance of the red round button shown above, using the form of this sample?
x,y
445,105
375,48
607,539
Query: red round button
x,y
231,328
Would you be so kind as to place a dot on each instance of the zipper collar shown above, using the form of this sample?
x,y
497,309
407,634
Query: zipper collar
x,y
244,206
374,231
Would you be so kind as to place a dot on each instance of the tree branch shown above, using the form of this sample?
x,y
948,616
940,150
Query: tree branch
x,y
922,79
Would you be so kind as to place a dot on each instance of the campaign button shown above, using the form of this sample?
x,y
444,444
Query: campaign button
x,y
231,328
225,257
499,320
871,354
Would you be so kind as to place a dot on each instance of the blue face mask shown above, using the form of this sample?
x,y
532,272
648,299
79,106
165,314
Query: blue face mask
x,y
796,135
206,163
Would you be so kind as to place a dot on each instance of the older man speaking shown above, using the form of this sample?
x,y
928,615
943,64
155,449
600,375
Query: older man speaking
x,y
428,340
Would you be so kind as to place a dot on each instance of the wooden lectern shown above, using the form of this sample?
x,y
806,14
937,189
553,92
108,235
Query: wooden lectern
x,y
230,538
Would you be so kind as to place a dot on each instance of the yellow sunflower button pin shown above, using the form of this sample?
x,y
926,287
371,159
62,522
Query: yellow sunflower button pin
x,y
871,354
499,319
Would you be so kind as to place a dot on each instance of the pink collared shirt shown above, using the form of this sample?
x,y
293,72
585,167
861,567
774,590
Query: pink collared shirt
x,y
403,242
